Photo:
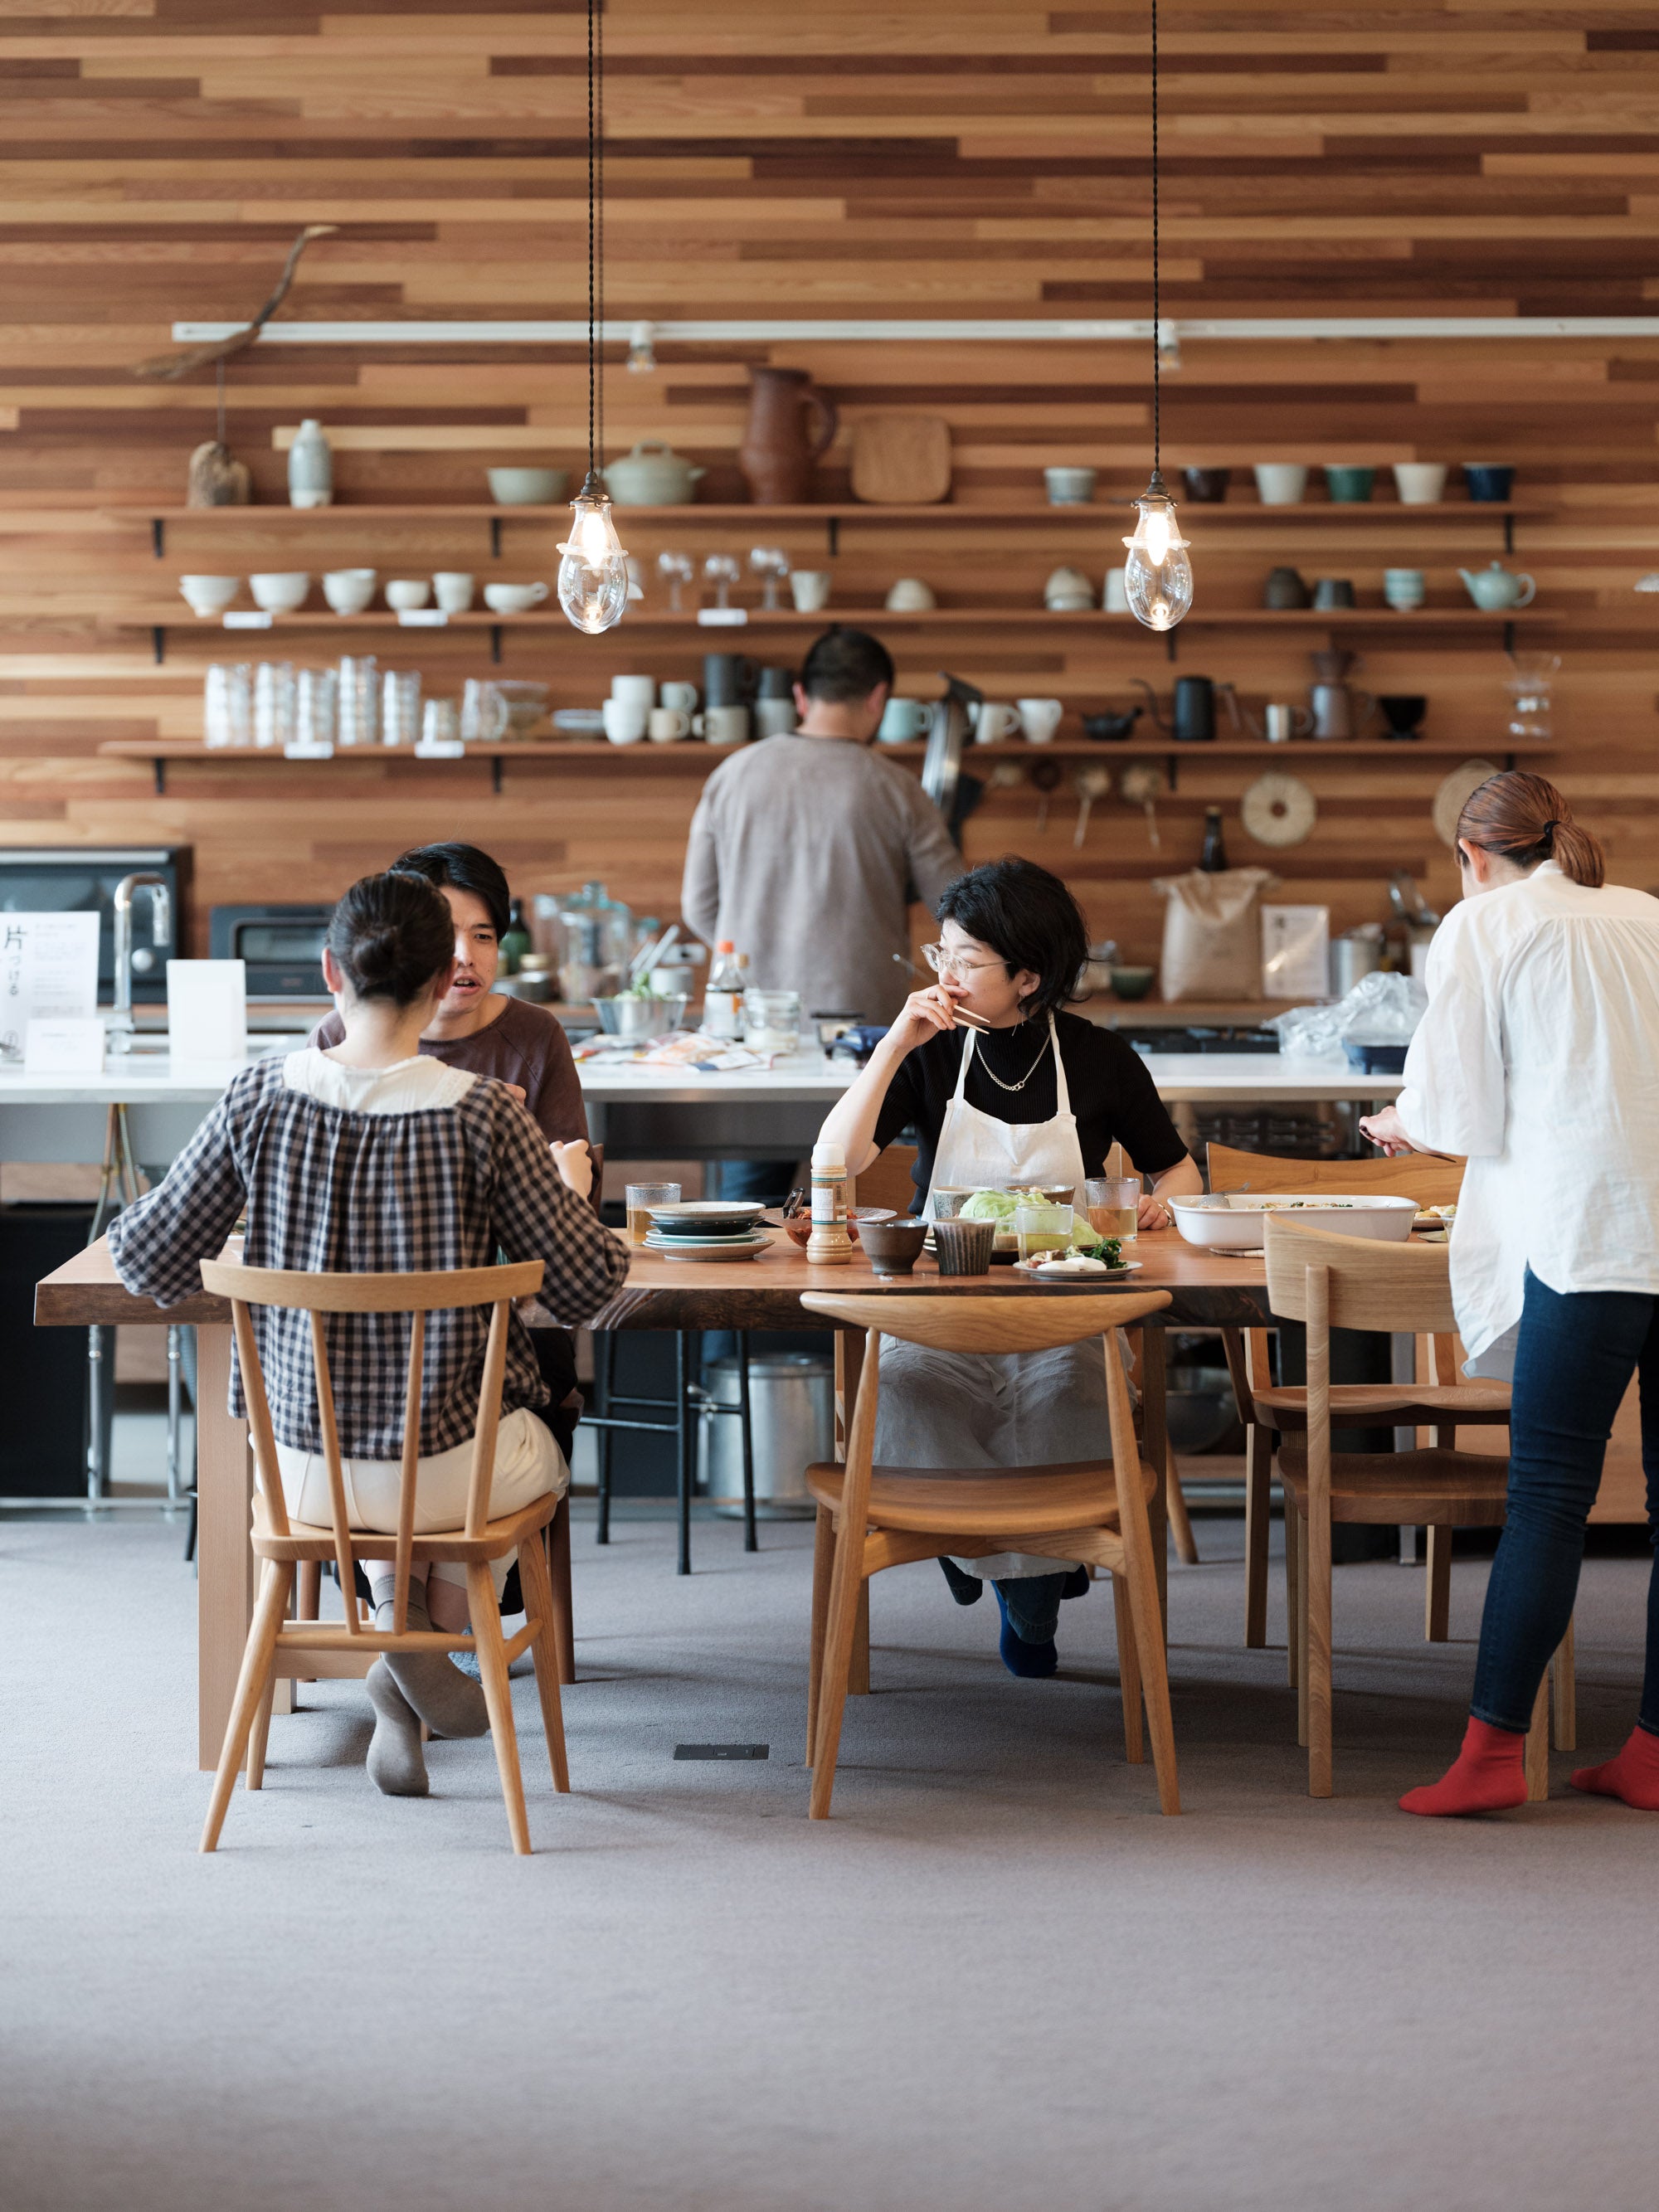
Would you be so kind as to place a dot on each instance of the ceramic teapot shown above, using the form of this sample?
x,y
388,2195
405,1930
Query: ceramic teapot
x,y
652,475
1497,589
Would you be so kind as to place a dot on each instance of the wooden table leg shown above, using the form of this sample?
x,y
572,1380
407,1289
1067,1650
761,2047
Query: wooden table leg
x,y
849,1366
224,1557
1155,1442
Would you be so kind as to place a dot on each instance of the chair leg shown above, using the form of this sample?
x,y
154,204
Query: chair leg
x,y
685,1467
1129,1674
541,1597
558,1556
1316,1610
498,1697
823,1561
1565,1671
1436,1594
1146,1615
846,1586
309,1595
252,1686
1293,1524
858,1678
604,1369
1537,1745
1299,1631
1175,1499
750,1540
1258,1522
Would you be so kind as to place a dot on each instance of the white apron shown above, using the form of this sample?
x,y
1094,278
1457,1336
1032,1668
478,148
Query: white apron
x,y
996,1409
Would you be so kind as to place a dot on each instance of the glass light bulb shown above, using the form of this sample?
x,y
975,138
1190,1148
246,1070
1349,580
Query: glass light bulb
x,y
593,594
1157,577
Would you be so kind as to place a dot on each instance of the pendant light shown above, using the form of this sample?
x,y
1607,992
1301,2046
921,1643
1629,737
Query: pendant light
x,y
594,571
1157,577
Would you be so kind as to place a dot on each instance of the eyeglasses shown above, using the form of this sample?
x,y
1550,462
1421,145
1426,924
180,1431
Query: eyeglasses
x,y
943,962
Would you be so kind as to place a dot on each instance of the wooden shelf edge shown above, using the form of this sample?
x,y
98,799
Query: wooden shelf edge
x,y
1104,513
691,753
1287,619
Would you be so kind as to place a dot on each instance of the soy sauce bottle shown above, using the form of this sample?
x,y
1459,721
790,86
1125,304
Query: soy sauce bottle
x,y
1214,858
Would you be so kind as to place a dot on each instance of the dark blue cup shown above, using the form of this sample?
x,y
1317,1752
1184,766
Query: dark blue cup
x,y
1488,480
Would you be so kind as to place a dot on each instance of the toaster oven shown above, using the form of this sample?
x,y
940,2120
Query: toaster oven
x,y
282,946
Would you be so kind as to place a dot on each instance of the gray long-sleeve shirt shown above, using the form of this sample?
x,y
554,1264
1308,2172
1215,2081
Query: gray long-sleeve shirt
x,y
807,853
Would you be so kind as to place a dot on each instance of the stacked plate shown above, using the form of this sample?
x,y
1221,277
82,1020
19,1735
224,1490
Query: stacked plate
x,y
708,1229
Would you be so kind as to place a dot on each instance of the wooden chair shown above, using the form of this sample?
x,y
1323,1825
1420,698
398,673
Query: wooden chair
x,y
280,1546
887,1181
871,1518
1267,1408
1330,1282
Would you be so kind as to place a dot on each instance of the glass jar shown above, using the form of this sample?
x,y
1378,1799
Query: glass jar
x,y
771,1020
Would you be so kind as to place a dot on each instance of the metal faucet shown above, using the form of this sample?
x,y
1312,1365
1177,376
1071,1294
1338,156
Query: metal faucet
x,y
127,960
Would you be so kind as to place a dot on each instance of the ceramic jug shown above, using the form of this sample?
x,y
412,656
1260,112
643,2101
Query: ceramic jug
x,y
1497,588
1341,711
776,456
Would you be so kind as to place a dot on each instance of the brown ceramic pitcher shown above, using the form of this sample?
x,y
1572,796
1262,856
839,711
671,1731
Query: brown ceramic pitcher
x,y
776,456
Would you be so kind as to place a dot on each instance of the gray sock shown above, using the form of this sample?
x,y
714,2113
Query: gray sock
x,y
397,1764
441,1695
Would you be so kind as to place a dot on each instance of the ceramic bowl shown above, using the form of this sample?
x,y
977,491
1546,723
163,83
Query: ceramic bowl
x,y
911,596
280,592
1133,982
1280,483
1420,484
349,591
1232,1221
1208,487
509,598
798,1226
528,487
894,1247
1069,486
209,595
1349,483
1489,480
405,593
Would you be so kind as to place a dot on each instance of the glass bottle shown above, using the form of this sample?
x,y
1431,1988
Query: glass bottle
x,y
722,999
1214,858
516,939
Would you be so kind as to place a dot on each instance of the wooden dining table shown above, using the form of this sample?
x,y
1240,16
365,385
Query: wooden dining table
x,y
1207,1290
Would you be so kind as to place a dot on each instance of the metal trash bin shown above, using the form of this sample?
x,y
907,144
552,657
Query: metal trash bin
x,y
792,1413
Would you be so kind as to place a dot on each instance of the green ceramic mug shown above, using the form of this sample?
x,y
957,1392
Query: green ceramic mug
x,y
1349,483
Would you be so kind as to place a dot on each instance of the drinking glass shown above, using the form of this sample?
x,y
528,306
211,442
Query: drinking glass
x,y
640,1198
720,570
228,703
358,719
440,722
314,691
400,706
1042,1229
273,703
771,564
771,1020
1113,1205
483,712
675,570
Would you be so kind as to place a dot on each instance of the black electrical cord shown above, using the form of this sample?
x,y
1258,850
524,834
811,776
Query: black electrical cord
x,y
599,163
593,205
1158,428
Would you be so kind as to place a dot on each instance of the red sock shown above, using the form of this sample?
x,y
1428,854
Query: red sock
x,y
1633,1776
1488,1775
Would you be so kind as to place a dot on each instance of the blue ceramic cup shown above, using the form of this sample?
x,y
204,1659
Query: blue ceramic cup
x,y
1488,480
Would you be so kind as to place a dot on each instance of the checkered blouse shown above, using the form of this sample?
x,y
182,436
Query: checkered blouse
x,y
329,1190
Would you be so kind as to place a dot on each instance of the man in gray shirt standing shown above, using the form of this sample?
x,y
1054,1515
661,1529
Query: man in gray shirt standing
x,y
806,851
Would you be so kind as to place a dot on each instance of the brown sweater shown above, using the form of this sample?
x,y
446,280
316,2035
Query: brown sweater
x,y
524,1045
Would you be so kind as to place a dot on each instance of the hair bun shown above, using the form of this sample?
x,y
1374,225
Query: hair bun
x,y
392,935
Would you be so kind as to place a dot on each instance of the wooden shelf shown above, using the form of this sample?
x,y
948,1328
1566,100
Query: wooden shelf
x,y
1101,511
1290,618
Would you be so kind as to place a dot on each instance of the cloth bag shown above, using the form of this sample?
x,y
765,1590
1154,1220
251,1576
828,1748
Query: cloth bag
x,y
1212,934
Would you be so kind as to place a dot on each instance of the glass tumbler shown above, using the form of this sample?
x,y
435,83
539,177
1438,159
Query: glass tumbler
x,y
1042,1229
273,703
315,694
771,1020
400,707
1113,1203
228,704
359,714
640,1198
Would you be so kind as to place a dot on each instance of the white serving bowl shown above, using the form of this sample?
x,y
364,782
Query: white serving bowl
x,y
280,592
1231,1221
209,595
349,591
527,487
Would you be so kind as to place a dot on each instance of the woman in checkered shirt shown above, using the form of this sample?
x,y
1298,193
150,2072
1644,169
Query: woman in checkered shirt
x,y
371,1158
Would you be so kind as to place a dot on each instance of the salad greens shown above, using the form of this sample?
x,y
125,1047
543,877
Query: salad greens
x,y
1000,1206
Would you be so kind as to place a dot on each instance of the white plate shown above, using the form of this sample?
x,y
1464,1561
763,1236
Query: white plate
x,y
679,1250
1231,1221
705,1243
1047,1275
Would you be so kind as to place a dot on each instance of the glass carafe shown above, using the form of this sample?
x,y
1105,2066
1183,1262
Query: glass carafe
x,y
1530,696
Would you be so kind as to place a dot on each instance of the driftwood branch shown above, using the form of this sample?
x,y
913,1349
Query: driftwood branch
x,y
167,367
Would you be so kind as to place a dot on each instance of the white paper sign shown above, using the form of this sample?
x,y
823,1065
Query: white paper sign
x,y
245,618
1296,951
207,1010
64,1047
421,618
723,617
48,970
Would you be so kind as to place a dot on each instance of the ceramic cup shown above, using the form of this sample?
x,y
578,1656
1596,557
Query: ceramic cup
x,y
452,589
408,593
963,1248
1488,480
774,718
810,590
1040,719
637,691
527,487
911,596
994,721
624,722
1419,483
1404,587
724,725
1332,591
682,696
665,725
1348,482
904,720
1208,487
1280,483
209,595
281,592
1281,722
509,598
1116,601
349,591
1069,486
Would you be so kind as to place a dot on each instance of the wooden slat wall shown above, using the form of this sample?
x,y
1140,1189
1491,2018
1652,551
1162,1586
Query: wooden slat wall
x,y
157,156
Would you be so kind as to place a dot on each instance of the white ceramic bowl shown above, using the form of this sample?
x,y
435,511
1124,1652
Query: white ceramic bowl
x,y
280,592
349,591
528,487
513,598
209,595
405,593
1231,1221
1069,486
1280,483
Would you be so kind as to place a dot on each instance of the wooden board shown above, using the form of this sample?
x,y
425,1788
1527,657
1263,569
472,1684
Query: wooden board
x,y
902,460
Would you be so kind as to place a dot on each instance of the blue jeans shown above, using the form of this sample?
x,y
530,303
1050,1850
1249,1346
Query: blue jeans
x,y
1577,1354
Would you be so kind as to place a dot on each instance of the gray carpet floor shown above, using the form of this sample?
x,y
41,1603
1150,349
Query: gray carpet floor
x,y
996,1982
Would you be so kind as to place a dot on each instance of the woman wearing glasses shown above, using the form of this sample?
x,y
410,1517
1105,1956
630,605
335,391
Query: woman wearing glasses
x,y
1039,1097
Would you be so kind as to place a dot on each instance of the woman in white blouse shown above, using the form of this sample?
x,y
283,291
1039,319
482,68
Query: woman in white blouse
x,y
1539,1058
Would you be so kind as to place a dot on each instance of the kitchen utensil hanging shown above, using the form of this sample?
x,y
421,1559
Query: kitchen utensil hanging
x,y
1143,786
1278,809
1091,783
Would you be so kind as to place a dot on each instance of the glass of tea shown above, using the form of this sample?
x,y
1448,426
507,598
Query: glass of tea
x,y
1113,1203
1042,1229
640,1198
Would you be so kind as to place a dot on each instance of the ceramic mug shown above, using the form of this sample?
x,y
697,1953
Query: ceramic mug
x,y
349,591
281,592
407,593
1420,484
723,726
1040,719
904,720
209,595
1280,483
1069,486
624,721
1488,480
664,725
639,691
1116,601
1282,722
1404,587
1331,592
452,589
1349,483
510,598
774,718
682,696
992,721
810,590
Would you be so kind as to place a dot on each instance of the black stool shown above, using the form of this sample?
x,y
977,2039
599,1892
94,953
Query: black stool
x,y
686,1406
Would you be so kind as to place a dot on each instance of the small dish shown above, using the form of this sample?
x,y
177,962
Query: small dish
x,y
1069,1271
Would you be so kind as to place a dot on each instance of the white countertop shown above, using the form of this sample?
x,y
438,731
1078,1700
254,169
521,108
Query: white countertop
x,y
1193,1078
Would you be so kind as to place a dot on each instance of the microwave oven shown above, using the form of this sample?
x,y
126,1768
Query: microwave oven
x,y
282,947
81,879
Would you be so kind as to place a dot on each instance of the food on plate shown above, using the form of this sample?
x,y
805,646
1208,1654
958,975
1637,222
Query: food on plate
x,y
1106,1258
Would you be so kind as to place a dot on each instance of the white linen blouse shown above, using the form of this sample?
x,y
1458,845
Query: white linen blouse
x,y
1539,1058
